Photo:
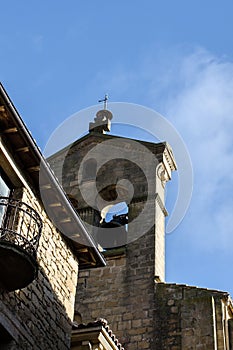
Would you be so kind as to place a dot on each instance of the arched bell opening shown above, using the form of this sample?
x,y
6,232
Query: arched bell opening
x,y
112,231
20,231
117,212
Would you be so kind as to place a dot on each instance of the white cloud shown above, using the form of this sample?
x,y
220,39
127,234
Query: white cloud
x,y
202,111
194,90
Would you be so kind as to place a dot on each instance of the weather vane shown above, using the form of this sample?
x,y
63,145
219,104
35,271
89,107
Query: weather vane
x,y
105,99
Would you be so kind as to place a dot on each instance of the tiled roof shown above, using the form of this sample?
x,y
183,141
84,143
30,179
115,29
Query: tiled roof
x,y
101,322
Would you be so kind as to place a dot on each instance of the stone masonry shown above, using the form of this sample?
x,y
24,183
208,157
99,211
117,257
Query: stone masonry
x,y
46,306
143,311
38,316
189,318
123,291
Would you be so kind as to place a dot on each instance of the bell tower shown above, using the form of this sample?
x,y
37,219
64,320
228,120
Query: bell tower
x,y
117,186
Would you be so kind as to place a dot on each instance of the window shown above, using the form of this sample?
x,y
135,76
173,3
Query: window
x,y
5,190
6,340
4,185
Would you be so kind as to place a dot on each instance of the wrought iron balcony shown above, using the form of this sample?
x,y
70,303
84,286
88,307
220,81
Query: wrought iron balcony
x,y
20,230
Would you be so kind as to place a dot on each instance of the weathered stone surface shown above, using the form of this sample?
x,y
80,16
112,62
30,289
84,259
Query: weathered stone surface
x,y
39,316
192,318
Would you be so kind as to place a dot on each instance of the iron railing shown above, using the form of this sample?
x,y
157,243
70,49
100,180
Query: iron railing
x,y
20,225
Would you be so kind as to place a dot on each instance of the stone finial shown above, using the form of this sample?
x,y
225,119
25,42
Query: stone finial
x,y
102,122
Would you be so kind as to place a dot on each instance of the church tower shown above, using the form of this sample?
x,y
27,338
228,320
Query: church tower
x,y
117,186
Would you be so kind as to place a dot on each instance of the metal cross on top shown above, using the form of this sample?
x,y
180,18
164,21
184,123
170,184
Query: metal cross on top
x,y
105,99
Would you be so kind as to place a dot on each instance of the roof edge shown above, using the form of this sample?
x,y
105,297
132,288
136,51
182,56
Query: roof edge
x,y
22,128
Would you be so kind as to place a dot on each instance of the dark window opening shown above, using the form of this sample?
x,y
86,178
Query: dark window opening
x,y
119,210
5,338
112,232
5,185
5,191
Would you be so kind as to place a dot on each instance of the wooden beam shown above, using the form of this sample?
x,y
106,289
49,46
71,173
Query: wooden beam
x,y
10,131
34,168
46,187
64,221
55,205
23,149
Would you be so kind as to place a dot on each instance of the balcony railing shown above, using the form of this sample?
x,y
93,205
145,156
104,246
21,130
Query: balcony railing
x,y
19,225
20,230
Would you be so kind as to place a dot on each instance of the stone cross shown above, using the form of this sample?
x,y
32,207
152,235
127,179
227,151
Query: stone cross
x,y
105,99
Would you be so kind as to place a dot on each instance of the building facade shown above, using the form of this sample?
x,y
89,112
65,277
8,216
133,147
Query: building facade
x,y
38,263
88,246
130,292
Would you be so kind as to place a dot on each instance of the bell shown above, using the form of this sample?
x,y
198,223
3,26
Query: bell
x,y
113,234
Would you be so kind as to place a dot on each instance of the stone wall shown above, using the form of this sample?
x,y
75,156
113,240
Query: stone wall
x,y
189,318
155,316
123,293
39,316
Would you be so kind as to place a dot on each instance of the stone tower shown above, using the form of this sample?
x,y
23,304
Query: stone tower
x,y
101,171
117,186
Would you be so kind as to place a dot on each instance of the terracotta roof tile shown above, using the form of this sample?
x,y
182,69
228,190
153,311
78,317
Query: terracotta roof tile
x,y
101,322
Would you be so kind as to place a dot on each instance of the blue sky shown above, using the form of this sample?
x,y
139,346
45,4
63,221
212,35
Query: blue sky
x,y
175,57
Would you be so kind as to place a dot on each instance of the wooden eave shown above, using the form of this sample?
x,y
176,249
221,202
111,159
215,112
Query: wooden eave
x,y
32,164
